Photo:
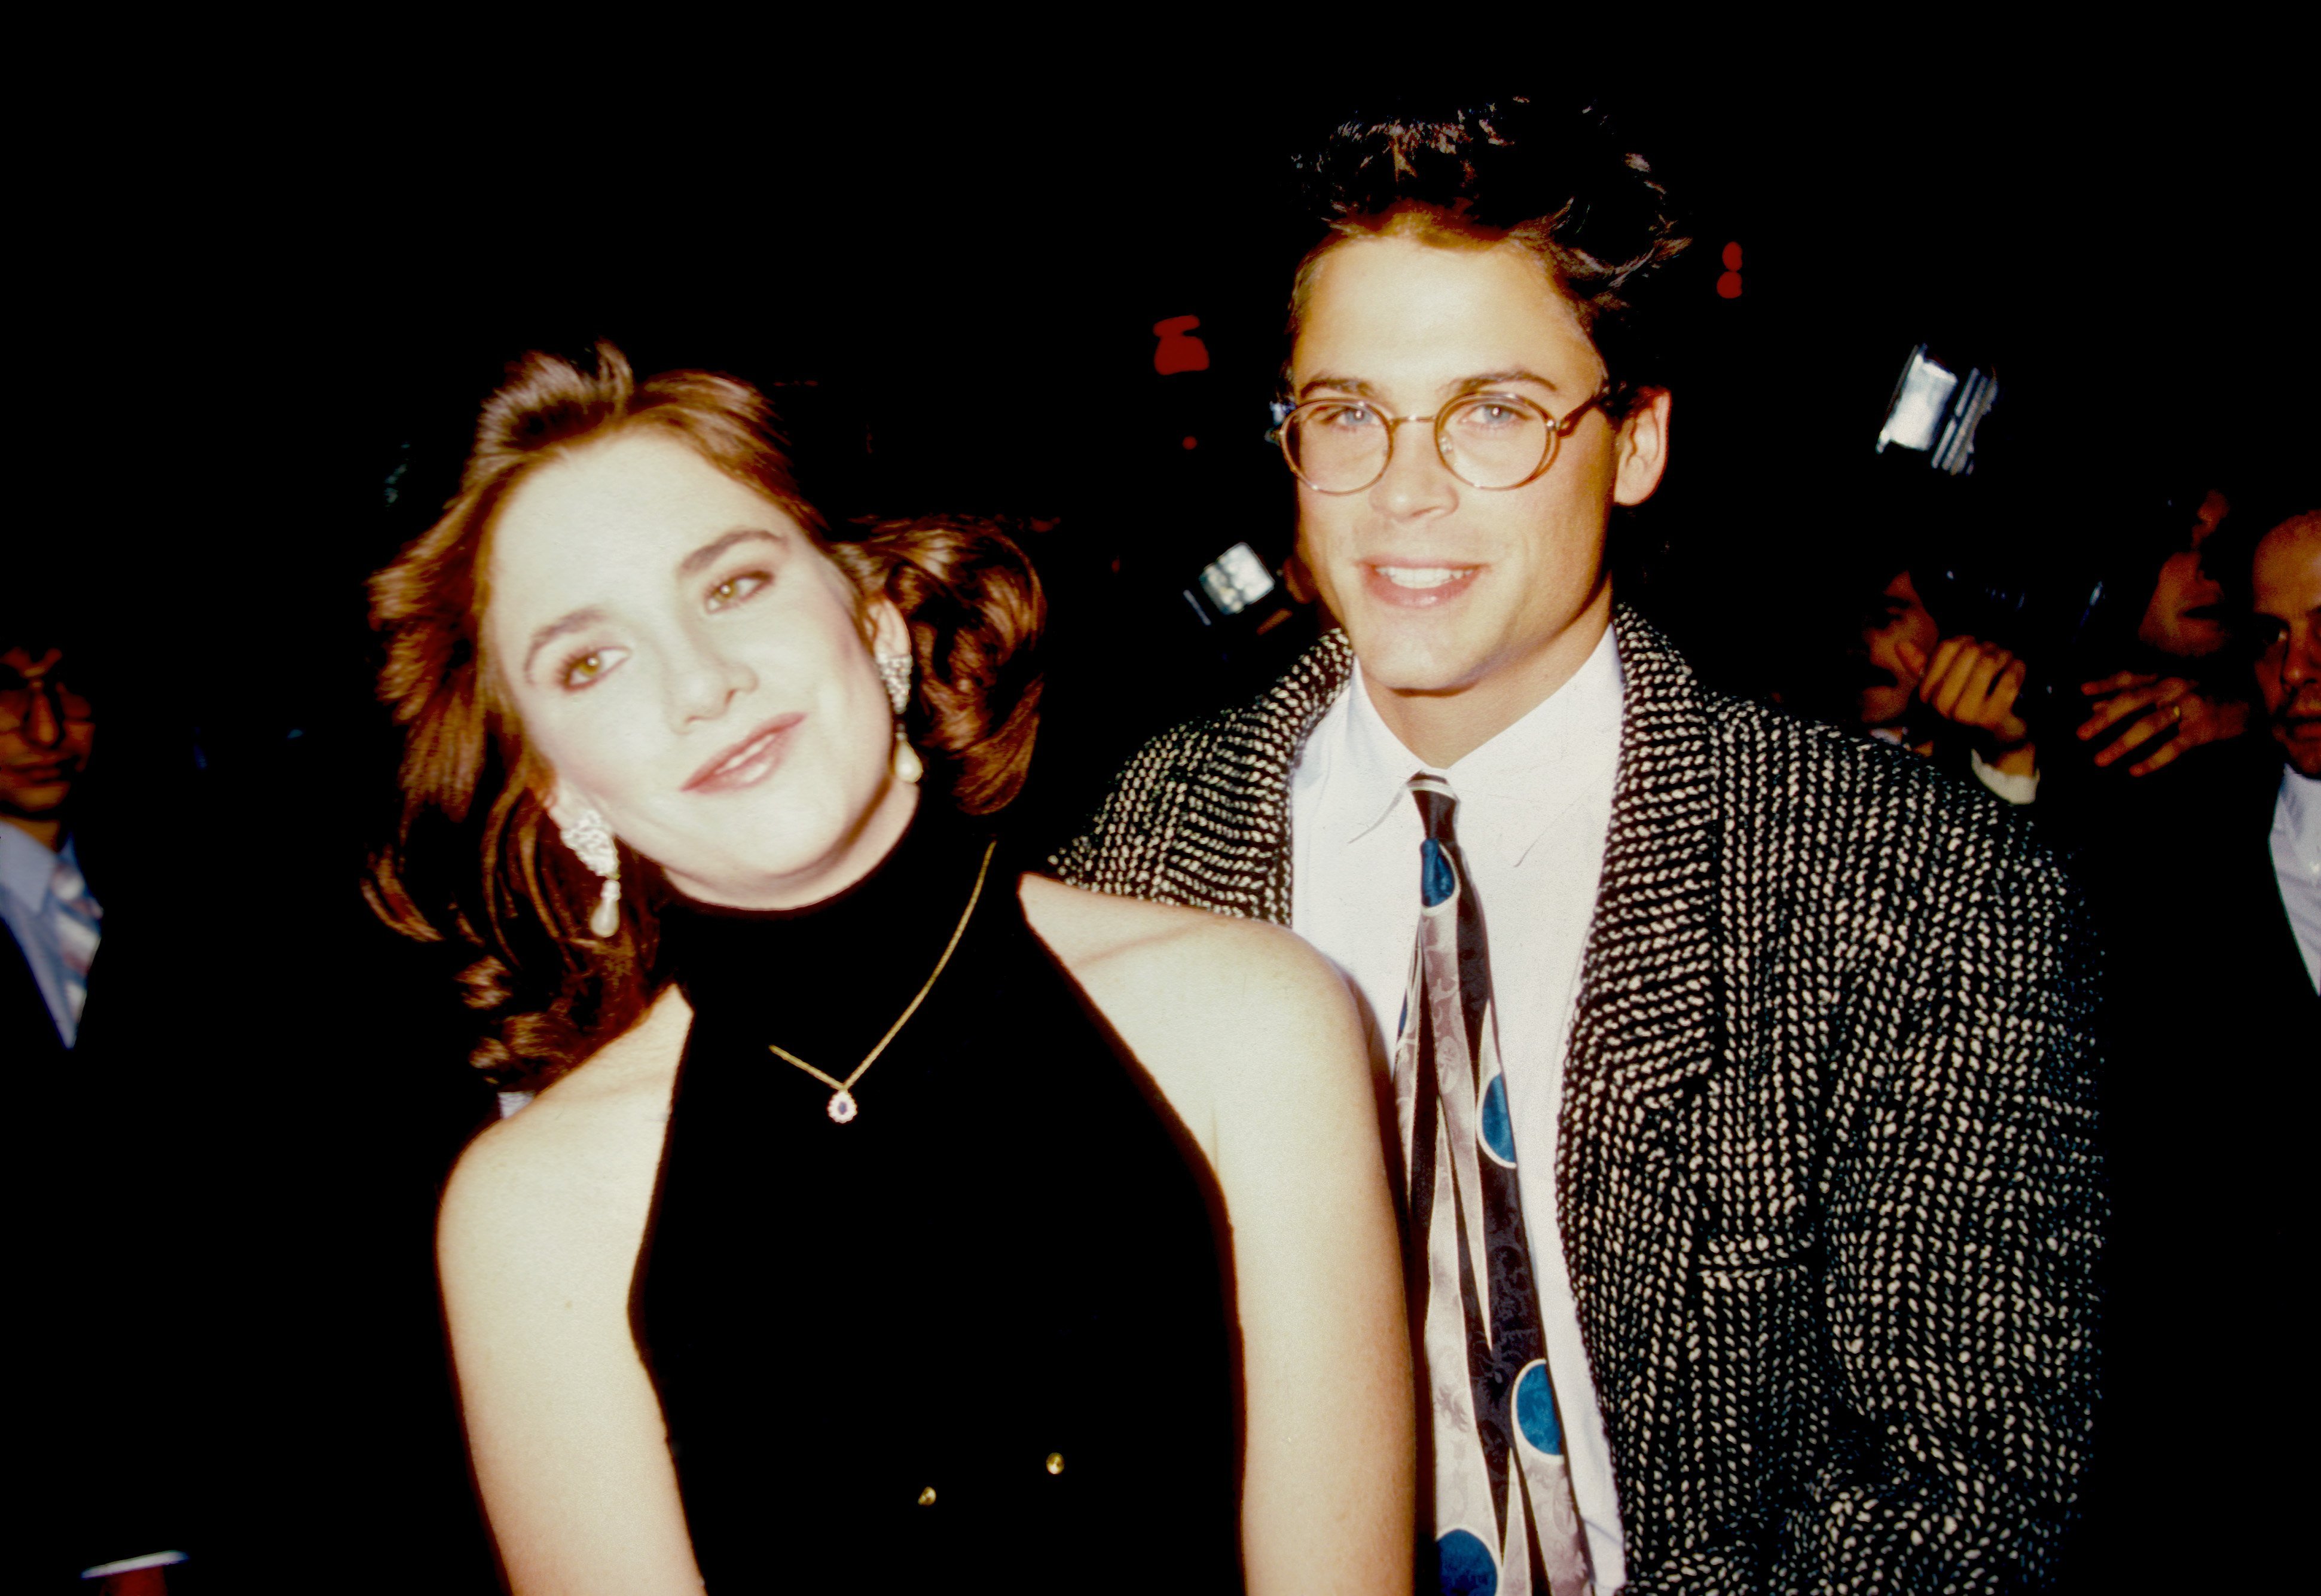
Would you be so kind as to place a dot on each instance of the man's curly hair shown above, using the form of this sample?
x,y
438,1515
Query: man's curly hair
x,y
1564,188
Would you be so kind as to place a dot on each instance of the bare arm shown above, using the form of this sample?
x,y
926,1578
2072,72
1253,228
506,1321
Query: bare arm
x,y
537,1243
1274,1081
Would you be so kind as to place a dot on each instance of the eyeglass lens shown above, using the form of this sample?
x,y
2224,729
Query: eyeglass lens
x,y
1487,442
16,693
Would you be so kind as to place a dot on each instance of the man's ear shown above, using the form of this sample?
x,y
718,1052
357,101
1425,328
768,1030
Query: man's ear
x,y
1643,448
890,632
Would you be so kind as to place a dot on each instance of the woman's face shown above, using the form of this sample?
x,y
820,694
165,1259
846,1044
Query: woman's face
x,y
687,662
2184,616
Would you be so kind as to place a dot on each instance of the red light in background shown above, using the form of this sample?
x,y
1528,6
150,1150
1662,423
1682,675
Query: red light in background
x,y
1728,286
1192,443
1178,349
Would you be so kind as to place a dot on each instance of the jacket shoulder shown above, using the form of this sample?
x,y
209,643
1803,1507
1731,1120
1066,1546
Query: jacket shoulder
x,y
1872,812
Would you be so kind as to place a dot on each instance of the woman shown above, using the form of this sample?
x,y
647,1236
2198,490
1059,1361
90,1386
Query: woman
x,y
864,1228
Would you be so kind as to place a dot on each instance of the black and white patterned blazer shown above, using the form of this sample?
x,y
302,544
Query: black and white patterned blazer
x,y
1827,1184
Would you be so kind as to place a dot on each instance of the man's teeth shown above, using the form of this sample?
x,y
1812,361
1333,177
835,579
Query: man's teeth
x,y
1420,576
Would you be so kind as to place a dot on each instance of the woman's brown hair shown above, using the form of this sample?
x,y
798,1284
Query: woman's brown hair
x,y
476,861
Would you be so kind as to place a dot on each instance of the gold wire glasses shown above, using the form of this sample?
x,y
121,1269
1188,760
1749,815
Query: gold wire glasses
x,y
1488,440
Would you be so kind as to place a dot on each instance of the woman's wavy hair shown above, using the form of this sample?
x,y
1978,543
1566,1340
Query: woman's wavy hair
x,y
475,862
1565,189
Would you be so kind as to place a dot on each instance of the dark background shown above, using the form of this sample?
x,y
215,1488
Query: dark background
x,y
263,304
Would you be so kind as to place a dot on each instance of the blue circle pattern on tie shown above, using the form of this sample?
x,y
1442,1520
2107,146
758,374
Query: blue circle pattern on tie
x,y
1436,880
1466,1565
1497,1129
1534,1403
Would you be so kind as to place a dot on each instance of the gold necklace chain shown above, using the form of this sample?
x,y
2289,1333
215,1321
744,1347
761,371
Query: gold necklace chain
x,y
843,1106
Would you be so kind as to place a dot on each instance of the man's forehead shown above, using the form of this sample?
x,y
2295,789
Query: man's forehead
x,y
1404,301
2288,564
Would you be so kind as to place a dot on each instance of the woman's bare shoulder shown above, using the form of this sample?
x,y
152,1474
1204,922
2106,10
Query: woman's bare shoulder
x,y
1222,1013
1130,941
578,1150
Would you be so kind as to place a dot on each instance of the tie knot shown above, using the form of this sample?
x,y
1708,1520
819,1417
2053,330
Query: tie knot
x,y
1436,804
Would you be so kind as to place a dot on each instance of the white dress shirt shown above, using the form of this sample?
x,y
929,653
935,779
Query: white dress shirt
x,y
1534,806
2297,863
27,873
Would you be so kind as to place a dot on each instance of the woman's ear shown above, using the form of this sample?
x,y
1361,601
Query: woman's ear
x,y
890,632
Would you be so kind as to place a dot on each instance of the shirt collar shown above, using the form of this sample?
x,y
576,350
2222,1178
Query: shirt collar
x,y
2300,803
1574,729
25,865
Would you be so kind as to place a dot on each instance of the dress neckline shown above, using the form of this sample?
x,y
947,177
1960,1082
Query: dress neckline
x,y
826,981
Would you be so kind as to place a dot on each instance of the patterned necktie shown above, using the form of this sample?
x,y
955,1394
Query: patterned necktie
x,y
1504,1520
73,916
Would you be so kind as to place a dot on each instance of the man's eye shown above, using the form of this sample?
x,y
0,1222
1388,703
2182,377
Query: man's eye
x,y
1344,418
1493,416
734,589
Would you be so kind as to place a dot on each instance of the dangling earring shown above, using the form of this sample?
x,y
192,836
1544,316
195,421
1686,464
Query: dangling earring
x,y
592,841
895,670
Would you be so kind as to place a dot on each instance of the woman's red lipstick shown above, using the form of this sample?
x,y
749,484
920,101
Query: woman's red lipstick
x,y
749,761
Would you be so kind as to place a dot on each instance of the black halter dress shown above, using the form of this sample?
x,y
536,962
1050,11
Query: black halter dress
x,y
978,1336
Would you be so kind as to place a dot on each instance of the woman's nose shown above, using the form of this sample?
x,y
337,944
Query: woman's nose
x,y
706,682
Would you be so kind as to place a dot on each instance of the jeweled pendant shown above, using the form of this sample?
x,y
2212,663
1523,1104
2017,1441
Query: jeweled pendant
x,y
841,1105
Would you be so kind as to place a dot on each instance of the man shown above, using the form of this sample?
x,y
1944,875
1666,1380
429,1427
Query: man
x,y
1784,1085
46,727
2208,891
2285,587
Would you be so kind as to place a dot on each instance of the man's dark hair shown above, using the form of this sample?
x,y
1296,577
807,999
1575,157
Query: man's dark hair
x,y
1563,186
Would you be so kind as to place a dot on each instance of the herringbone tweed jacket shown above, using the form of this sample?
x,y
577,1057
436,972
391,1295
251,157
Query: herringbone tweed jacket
x,y
1828,1187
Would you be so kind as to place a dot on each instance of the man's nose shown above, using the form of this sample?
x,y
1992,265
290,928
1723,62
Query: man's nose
x,y
44,728
1416,482
2301,662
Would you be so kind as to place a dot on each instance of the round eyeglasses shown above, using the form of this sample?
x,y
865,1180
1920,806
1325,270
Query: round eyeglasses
x,y
19,689
1486,441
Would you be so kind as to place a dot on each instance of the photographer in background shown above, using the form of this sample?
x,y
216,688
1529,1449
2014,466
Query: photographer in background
x,y
2167,707
1922,676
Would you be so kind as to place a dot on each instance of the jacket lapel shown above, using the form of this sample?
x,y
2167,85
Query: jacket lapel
x,y
1254,751
1644,1034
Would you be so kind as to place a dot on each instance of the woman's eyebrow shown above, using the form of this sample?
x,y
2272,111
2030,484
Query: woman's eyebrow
x,y
556,629
703,558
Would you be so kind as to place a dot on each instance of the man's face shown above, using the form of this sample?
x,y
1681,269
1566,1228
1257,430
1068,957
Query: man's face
x,y
1445,588
2286,585
1896,622
46,730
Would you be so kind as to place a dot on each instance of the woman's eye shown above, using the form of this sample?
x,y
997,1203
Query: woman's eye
x,y
1345,418
582,669
734,589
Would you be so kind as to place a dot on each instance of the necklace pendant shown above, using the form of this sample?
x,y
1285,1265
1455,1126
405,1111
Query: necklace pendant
x,y
841,1105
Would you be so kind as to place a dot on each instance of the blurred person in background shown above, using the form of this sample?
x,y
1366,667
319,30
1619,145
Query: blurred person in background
x,y
2183,692
1960,699
2208,887
47,728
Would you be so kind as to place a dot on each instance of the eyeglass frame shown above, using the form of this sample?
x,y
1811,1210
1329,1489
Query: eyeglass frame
x,y
1559,428
47,680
